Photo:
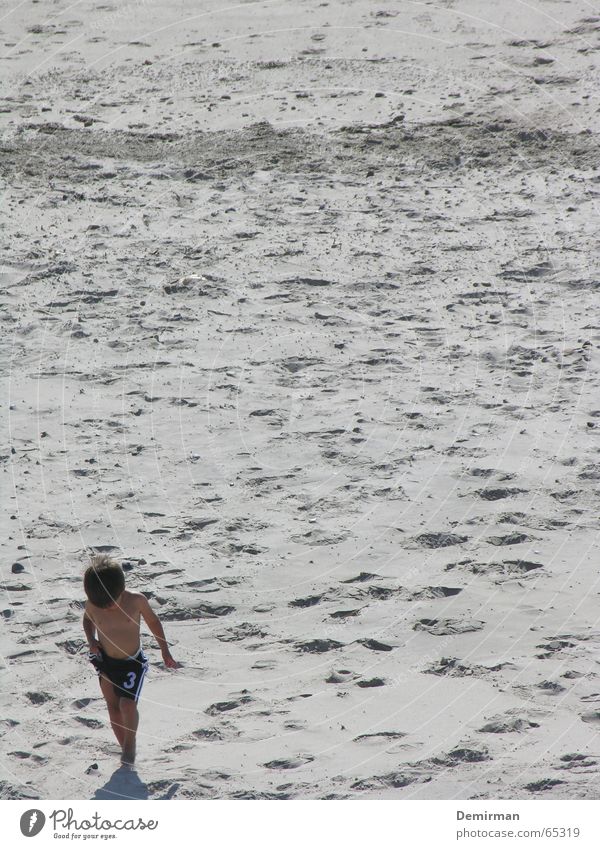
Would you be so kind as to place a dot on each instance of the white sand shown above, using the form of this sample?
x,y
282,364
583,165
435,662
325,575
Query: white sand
x,y
265,331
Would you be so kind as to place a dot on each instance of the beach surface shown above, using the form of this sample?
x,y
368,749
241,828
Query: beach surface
x,y
300,323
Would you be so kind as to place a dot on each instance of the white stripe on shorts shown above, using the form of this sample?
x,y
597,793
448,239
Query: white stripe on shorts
x,y
141,680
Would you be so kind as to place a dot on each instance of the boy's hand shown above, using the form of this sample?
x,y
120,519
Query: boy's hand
x,y
95,648
169,660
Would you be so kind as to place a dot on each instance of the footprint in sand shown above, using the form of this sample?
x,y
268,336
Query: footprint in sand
x,y
434,592
375,645
501,725
543,784
341,676
592,717
222,707
575,760
89,723
210,735
318,646
361,578
455,668
391,779
199,611
509,539
443,627
438,540
380,736
39,698
289,763
461,755
345,614
309,601
496,494
243,631
82,703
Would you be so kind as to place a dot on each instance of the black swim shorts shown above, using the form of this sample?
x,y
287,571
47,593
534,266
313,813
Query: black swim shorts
x,y
126,675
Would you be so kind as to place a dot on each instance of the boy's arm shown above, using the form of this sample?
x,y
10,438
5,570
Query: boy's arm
x,y
90,633
156,627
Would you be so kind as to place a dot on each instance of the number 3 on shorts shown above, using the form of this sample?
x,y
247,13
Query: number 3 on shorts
x,y
130,683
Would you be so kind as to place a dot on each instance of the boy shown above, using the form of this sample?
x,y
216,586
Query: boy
x,y
112,626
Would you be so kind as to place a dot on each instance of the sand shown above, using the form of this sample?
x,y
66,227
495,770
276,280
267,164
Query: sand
x,y
298,306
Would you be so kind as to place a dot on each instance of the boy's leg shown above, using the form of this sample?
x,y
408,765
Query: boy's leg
x,y
130,718
114,708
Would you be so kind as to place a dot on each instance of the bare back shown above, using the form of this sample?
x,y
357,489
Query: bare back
x,y
118,626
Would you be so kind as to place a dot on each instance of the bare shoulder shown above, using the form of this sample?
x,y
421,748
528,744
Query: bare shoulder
x,y
88,610
138,600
